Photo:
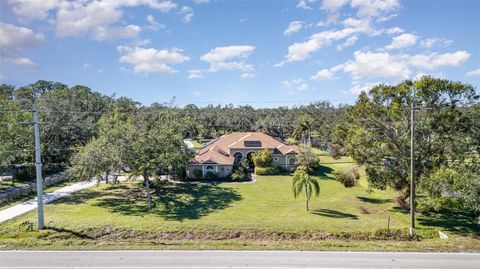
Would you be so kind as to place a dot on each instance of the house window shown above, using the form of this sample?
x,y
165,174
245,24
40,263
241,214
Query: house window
x,y
275,159
291,161
210,168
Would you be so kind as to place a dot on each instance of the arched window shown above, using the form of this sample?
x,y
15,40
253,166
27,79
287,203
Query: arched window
x,y
238,157
210,168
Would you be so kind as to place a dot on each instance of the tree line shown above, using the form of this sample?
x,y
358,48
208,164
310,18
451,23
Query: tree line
x,y
74,117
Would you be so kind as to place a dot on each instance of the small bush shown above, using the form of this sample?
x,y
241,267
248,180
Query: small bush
x,y
355,172
269,170
263,158
197,174
346,178
211,176
349,177
402,202
238,175
336,151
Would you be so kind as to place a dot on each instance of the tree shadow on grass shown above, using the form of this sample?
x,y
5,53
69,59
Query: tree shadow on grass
x,y
454,221
125,200
76,234
172,202
376,201
193,201
334,214
324,172
79,197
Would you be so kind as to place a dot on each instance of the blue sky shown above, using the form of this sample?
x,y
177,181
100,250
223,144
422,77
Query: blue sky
x,y
266,53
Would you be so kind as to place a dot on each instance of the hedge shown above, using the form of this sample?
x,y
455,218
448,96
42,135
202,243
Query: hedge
x,y
269,170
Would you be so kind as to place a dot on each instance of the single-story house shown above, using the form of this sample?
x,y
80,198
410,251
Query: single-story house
x,y
221,154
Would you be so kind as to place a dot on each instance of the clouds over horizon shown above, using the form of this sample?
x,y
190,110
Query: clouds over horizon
x,y
231,58
150,60
16,39
367,64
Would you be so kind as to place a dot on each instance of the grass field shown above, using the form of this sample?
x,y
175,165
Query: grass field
x,y
196,144
260,215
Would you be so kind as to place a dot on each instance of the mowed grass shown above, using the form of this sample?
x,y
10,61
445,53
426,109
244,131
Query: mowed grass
x,y
196,143
266,205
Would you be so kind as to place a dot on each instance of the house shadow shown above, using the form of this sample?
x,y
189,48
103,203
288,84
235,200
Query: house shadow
x,y
324,172
193,201
334,214
376,201
171,201
454,221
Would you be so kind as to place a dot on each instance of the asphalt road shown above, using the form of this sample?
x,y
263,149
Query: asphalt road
x,y
233,259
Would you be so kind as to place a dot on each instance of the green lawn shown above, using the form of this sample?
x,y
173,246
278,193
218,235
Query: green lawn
x,y
260,215
196,144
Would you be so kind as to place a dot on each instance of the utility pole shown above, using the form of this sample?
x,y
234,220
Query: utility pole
x,y
38,167
412,164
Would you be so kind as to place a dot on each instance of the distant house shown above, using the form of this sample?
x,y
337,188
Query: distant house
x,y
220,155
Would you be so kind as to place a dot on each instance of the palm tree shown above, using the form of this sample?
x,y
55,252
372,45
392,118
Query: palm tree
x,y
303,130
301,179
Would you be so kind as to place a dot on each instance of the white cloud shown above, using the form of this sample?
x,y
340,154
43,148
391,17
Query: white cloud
x,y
195,73
33,10
300,51
229,58
112,33
324,74
299,84
384,65
395,30
149,60
248,75
14,40
375,8
102,20
380,9
293,27
303,5
196,93
333,5
140,42
402,41
154,25
87,66
371,64
349,42
474,73
187,13
435,60
201,1
357,89
428,43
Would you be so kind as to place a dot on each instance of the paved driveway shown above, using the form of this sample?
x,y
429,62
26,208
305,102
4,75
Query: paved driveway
x,y
31,204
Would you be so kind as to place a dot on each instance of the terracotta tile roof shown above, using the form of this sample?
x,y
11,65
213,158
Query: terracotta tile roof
x,y
218,151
